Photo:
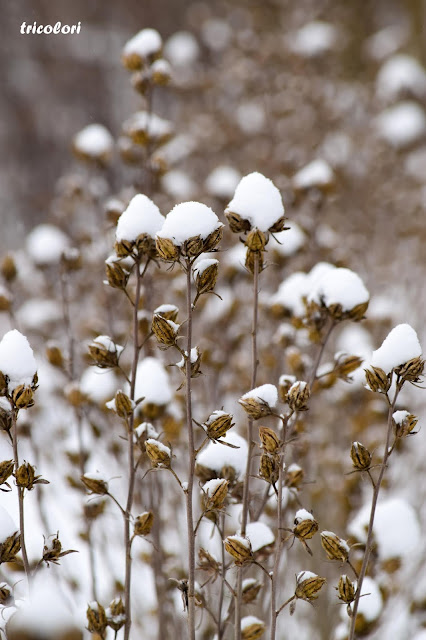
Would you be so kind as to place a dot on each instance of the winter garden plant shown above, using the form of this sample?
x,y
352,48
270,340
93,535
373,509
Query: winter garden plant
x,y
192,487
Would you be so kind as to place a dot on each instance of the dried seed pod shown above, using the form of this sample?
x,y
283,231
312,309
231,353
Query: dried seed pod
x,y
346,365
192,247
143,523
94,509
361,457
6,468
252,628
403,423
166,249
8,268
411,370
167,311
237,224
256,240
251,257
123,405
250,589
117,276
218,423
215,492
206,277
308,585
378,380
22,397
298,396
284,385
294,476
25,476
54,355
207,562
239,548
255,407
346,590
161,72
269,439
335,547
158,453
3,384
95,483
71,259
104,352
116,614
164,330
278,226
305,525
6,595
10,547
96,618
213,239
5,300
269,468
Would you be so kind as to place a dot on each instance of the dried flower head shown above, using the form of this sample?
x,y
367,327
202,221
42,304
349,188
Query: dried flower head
x,y
361,457
165,331
10,547
270,441
116,614
252,628
403,423
308,585
336,548
143,523
250,589
95,483
96,619
217,424
158,453
298,396
214,494
378,380
346,590
239,548
305,525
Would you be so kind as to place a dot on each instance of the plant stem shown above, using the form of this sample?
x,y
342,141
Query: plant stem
x,y
20,494
369,542
331,325
221,529
246,487
191,462
131,459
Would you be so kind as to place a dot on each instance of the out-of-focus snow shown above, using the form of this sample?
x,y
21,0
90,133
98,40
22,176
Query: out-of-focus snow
x,y
17,360
46,243
317,173
260,535
287,243
302,515
144,44
402,125
314,39
371,601
7,526
247,621
182,49
141,216
37,313
387,41
251,117
257,200
94,140
223,181
216,33
178,184
401,345
396,528
152,383
98,384
187,220
399,76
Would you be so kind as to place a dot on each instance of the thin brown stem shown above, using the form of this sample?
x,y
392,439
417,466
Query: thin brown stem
x,y
131,457
21,490
329,329
191,462
378,484
221,529
246,487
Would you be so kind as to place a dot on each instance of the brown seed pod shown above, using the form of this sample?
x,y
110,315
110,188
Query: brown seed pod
x,y
335,547
361,457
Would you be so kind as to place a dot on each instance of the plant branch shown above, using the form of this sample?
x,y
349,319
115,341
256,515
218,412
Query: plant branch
x,y
21,490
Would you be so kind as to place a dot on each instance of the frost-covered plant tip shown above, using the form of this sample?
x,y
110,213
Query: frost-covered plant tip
x,y
215,425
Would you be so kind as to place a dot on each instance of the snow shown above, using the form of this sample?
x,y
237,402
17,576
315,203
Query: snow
x,y
342,543
247,621
250,117
95,475
400,416
178,184
401,74
210,486
216,33
142,216
37,313
287,243
339,286
257,200
159,445
94,140
400,346
260,535
98,384
290,293
45,611
108,344
402,125
314,39
7,526
265,393
152,383
371,601
165,308
187,220
317,173
146,428
216,456
305,575
302,515
202,265
46,243
144,44
223,181
396,528
154,126
239,538
182,49
17,359
387,41
420,636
